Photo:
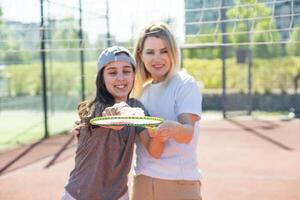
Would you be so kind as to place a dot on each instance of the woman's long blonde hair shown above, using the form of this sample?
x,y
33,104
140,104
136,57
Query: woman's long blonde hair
x,y
162,31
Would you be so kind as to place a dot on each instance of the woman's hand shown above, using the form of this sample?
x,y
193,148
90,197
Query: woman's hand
x,y
182,131
76,130
161,133
152,142
167,130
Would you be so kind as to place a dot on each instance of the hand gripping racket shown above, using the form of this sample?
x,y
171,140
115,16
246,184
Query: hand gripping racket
x,y
140,121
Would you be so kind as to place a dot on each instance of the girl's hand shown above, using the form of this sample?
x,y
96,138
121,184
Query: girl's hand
x,y
122,109
115,109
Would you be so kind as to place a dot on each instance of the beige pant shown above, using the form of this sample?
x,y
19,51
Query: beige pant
x,y
147,188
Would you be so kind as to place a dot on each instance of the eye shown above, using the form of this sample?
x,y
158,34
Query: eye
x,y
149,52
127,71
112,72
164,51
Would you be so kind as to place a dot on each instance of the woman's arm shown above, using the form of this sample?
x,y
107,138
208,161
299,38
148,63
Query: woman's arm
x,y
75,131
183,130
154,145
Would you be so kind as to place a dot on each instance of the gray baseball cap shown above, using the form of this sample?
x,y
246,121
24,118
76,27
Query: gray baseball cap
x,y
114,53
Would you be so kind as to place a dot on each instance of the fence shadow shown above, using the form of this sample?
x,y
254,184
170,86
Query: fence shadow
x,y
35,152
60,151
255,132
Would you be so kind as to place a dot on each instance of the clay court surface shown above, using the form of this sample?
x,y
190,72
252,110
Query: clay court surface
x,y
242,159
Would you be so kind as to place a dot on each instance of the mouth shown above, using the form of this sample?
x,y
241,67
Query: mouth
x,y
121,86
158,66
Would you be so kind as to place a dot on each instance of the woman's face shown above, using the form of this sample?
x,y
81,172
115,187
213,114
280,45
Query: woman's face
x,y
118,78
156,59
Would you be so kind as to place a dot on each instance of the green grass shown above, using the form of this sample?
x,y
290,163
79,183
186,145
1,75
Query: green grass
x,y
21,127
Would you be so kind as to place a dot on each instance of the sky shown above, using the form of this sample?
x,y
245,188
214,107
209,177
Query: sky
x,y
127,17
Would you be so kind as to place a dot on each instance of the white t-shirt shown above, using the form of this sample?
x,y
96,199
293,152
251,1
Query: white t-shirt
x,y
178,161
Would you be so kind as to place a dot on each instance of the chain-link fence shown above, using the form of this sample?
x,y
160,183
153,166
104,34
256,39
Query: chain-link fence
x,y
256,42
48,54
244,54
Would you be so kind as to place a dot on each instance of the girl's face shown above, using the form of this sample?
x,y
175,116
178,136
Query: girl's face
x,y
118,78
156,59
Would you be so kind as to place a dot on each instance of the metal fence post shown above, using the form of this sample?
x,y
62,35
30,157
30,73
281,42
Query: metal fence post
x,y
44,75
223,52
81,46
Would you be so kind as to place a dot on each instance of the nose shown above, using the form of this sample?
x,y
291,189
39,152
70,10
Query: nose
x,y
157,56
120,76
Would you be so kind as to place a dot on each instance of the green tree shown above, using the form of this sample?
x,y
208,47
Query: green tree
x,y
1,52
266,48
294,46
209,36
10,46
65,39
1,15
255,18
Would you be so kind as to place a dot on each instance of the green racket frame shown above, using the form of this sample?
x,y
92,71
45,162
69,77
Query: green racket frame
x,y
152,121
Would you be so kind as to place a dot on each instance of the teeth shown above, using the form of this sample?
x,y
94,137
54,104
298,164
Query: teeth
x,y
120,86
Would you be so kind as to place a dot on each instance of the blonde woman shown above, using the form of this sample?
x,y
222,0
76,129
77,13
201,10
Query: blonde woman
x,y
167,93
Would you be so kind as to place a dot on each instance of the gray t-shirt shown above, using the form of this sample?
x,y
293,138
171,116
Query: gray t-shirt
x,y
103,161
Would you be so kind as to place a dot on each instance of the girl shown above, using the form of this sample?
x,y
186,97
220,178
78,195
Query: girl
x,y
104,154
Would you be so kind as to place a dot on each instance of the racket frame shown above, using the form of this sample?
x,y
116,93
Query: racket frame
x,y
159,121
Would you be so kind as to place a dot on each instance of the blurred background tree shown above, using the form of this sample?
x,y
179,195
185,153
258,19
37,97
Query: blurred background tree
x,y
253,23
294,48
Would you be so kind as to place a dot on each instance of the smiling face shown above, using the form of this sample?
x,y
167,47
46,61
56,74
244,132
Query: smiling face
x,y
156,59
118,78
